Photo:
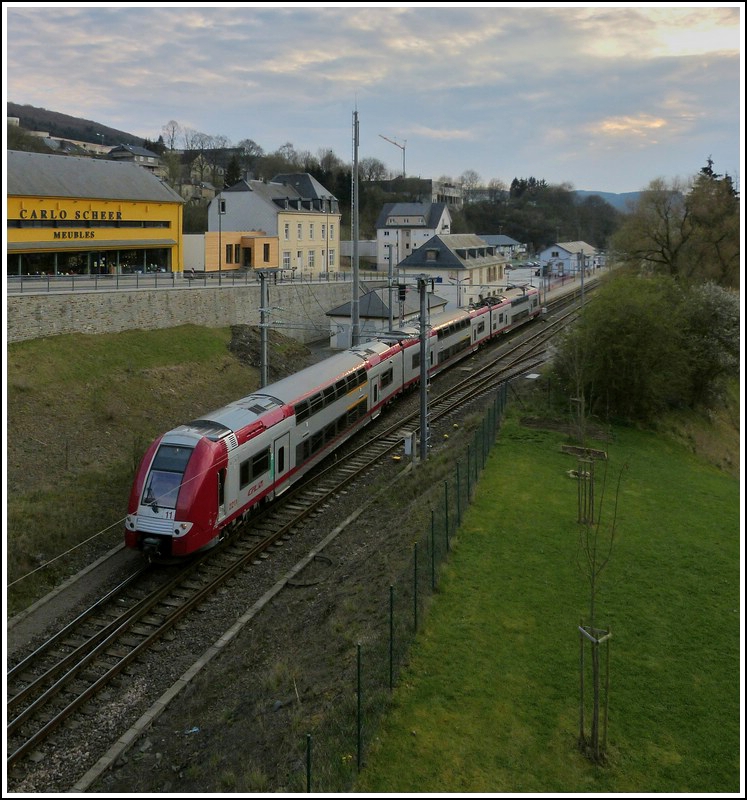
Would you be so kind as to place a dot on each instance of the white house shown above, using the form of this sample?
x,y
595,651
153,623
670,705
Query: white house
x,y
464,267
403,227
566,258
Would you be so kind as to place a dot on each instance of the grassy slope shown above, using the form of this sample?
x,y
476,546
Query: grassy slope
x,y
490,700
81,411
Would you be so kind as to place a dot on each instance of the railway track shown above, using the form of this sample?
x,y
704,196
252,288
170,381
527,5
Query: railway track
x,y
47,688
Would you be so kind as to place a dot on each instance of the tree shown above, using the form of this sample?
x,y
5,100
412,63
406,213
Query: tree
x,y
715,243
233,172
470,182
171,131
689,231
632,339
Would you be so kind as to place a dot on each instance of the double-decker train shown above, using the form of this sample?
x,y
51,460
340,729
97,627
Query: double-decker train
x,y
199,480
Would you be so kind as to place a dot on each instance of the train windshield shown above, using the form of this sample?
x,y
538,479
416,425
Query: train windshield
x,y
165,477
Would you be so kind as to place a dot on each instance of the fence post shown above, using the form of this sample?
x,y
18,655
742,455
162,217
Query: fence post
x,y
308,763
391,636
415,588
433,552
360,721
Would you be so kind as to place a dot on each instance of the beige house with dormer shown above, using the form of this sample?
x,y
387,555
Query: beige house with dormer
x,y
295,209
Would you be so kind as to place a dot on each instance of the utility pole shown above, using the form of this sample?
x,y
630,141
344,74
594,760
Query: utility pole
x,y
263,329
424,428
391,275
355,308
402,147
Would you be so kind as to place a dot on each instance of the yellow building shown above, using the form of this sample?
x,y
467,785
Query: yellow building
x,y
69,215
293,210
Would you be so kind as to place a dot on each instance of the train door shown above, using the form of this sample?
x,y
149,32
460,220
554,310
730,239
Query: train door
x,y
374,395
221,493
281,462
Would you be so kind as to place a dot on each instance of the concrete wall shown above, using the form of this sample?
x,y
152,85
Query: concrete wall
x,y
299,306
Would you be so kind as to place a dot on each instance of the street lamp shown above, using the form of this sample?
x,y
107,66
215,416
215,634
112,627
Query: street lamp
x,y
221,212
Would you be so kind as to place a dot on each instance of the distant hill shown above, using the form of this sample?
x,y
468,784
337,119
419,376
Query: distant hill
x,y
67,127
618,201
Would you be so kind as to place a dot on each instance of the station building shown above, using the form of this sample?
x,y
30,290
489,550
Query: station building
x,y
81,216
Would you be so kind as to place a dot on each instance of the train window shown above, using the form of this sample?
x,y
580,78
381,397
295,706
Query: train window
x,y
280,461
329,395
162,489
340,388
165,477
387,377
303,410
317,403
416,360
261,463
172,458
481,327
244,474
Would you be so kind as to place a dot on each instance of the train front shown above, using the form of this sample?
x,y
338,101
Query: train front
x,y
173,505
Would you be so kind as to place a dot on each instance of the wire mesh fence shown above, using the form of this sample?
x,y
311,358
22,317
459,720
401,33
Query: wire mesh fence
x,y
330,754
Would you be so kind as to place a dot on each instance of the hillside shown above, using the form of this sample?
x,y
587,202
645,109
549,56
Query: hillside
x,y
619,201
67,127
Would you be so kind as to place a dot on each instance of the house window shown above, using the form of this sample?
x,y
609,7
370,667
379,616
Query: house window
x,y
237,254
324,232
299,231
311,259
287,231
286,259
229,253
266,253
311,230
331,231
331,258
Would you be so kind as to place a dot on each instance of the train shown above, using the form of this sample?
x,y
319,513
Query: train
x,y
199,481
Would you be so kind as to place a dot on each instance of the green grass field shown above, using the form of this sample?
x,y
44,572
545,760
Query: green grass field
x,y
490,699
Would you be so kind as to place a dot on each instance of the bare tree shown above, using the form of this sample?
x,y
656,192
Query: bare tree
x,y
171,132
595,550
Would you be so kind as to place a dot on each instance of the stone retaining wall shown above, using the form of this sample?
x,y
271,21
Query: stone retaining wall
x,y
296,309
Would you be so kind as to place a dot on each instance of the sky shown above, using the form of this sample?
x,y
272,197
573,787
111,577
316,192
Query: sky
x,y
597,96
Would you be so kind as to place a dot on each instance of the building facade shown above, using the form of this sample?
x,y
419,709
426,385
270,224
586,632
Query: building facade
x,y
403,227
82,216
464,268
294,209
568,258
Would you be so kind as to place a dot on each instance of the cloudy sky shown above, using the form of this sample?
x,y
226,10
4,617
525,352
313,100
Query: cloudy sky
x,y
603,97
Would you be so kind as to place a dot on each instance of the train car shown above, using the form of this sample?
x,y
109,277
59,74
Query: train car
x,y
201,479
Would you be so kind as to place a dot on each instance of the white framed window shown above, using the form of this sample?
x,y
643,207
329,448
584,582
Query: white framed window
x,y
287,231
286,259
299,231
331,258
331,231
311,230
311,259
324,231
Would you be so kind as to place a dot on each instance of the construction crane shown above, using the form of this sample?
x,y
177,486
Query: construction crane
x,y
401,147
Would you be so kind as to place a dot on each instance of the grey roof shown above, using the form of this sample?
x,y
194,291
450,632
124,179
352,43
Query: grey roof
x,y
375,304
134,150
453,251
499,239
42,175
431,211
306,185
276,193
577,247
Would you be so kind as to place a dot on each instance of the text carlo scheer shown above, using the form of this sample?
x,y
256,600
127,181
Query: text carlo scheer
x,y
83,216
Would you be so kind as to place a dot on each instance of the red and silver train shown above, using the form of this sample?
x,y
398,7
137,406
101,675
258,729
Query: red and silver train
x,y
199,480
